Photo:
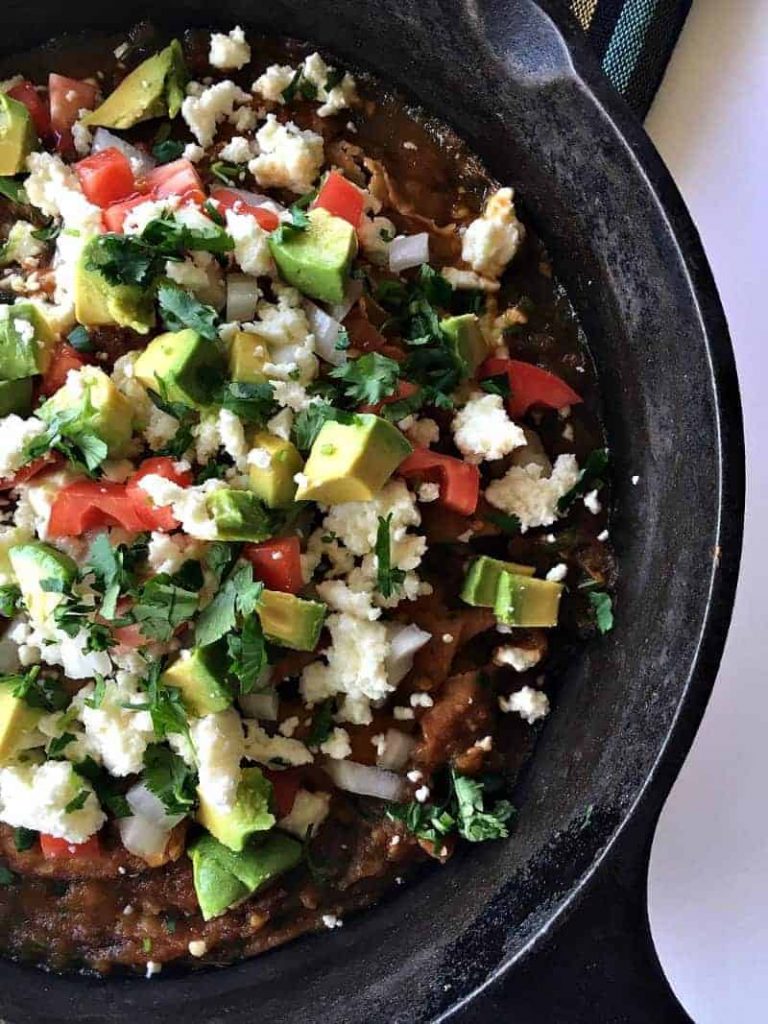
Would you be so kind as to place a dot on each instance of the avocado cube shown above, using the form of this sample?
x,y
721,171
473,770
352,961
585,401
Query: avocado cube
x,y
201,675
43,574
182,366
274,481
465,338
352,461
97,405
16,397
248,353
17,135
482,580
26,341
153,89
222,877
317,259
98,303
291,621
239,515
249,815
17,720
11,537
524,601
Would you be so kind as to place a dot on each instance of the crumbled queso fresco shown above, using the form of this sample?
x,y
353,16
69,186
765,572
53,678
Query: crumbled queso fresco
x,y
275,448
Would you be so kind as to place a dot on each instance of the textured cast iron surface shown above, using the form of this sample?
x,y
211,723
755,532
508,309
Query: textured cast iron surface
x,y
591,184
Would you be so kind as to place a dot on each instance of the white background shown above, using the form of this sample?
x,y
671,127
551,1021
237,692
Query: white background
x,y
709,869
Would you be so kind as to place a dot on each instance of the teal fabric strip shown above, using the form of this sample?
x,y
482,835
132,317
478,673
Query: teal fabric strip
x,y
626,44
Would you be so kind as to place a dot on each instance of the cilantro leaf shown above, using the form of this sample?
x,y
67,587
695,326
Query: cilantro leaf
x,y
100,688
307,424
167,150
591,477
123,259
9,599
247,653
229,174
239,595
104,786
13,189
498,385
322,724
170,238
38,691
602,607
388,579
300,85
55,748
77,802
368,378
506,523
24,838
170,778
161,606
474,822
164,704
180,309
49,232
254,403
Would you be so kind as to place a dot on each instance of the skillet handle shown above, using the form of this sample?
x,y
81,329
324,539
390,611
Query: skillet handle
x,y
600,966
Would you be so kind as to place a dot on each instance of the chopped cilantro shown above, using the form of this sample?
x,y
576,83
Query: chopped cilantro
x,y
170,778
123,259
591,477
180,309
99,689
55,748
13,189
48,232
463,811
335,77
104,786
299,85
388,579
9,599
38,691
497,385
229,174
24,838
239,595
254,403
307,424
322,724
247,653
602,607
167,150
368,378
77,802
506,523
163,703
80,339
161,606
7,877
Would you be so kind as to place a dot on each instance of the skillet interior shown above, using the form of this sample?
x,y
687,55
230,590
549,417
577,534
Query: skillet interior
x,y
501,76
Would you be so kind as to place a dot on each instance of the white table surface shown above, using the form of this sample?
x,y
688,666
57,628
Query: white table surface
x,y
709,868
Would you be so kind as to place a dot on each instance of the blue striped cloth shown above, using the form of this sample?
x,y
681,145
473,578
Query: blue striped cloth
x,y
634,40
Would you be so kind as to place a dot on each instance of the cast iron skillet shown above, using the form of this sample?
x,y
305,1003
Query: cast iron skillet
x,y
550,926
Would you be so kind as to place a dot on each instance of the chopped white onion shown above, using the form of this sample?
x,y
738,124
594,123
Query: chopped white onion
x,y
365,781
251,198
326,331
408,251
141,162
260,705
404,642
397,749
354,290
242,297
145,833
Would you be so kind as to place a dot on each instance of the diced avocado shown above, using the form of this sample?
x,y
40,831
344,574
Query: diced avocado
x,y
222,877
99,303
36,563
17,719
247,355
352,461
524,601
20,244
16,396
10,537
99,406
182,366
201,675
17,135
153,89
249,815
274,483
26,341
291,621
466,339
482,580
239,515
316,260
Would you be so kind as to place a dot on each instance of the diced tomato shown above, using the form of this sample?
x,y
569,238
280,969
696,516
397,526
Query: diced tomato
x,y
27,94
530,385
63,359
231,199
178,178
459,481
106,177
67,97
46,461
114,216
403,390
87,504
152,517
53,847
130,636
277,563
341,198
285,786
